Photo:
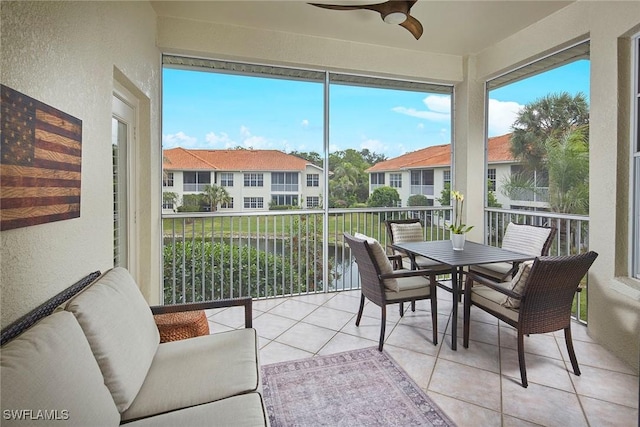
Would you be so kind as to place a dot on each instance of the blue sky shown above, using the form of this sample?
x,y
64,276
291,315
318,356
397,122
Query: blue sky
x,y
217,111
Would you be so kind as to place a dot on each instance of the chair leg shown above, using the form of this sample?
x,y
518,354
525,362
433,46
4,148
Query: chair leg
x,y
383,325
572,354
401,309
466,316
360,310
413,305
434,318
523,366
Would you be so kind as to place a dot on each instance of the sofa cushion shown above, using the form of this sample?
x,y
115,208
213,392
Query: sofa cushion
x,y
119,326
381,259
199,370
246,410
51,367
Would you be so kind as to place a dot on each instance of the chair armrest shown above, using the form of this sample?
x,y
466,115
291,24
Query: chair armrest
x,y
472,277
406,273
208,305
396,261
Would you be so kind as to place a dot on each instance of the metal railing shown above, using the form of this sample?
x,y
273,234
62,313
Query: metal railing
x,y
572,237
277,253
283,253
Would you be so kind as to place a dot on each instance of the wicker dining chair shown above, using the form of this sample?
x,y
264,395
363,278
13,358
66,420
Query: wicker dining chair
x,y
382,285
410,230
527,239
537,300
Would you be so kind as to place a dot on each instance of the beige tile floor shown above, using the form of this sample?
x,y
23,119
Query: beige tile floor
x,y
478,386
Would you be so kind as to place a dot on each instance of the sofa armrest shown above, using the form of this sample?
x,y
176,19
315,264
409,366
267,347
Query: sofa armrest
x,y
207,305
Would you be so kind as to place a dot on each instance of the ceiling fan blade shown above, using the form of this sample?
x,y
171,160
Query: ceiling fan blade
x,y
386,8
414,26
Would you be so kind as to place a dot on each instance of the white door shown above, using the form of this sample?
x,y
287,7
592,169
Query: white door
x,y
123,126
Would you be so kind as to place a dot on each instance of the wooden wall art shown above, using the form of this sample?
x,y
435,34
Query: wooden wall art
x,y
40,159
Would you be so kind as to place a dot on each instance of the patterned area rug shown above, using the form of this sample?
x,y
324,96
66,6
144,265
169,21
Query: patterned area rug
x,y
355,388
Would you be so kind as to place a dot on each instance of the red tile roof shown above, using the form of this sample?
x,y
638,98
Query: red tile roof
x,y
440,155
231,160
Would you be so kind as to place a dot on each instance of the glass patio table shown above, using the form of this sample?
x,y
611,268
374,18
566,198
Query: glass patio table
x,y
473,253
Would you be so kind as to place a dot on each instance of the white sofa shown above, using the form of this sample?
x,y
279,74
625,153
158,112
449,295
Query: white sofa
x,y
97,360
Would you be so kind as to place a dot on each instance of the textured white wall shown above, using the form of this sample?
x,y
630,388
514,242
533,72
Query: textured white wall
x,y
64,54
614,303
240,43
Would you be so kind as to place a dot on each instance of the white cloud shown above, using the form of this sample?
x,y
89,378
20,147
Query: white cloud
x,y
438,109
420,126
221,140
502,114
373,145
179,139
305,123
441,104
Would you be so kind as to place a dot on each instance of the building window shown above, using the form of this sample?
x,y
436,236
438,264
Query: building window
x,y
253,203
313,201
395,180
167,204
377,178
491,176
446,177
284,181
226,179
422,182
196,181
253,180
227,205
313,180
284,200
167,179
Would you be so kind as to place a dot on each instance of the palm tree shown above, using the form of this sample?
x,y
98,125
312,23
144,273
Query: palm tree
x,y
548,117
215,195
568,166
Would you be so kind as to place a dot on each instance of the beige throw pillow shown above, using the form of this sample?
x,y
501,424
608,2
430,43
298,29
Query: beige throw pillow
x,y
411,232
525,239
381,258
517,284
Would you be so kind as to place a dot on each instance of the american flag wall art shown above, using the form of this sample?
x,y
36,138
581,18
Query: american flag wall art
x,y
40,160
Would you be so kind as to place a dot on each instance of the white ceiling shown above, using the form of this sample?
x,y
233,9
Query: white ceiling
x,y
458,27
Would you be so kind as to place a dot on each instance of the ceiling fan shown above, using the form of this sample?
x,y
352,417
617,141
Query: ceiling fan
x,y
392,12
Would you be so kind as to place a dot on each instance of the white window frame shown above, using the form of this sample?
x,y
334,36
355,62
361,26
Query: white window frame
x,y
313,180
395,180
253,203
634,188
253,180
226,179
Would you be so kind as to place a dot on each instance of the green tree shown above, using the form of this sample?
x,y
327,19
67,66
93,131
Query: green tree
x,y
384,197
214,195
170,197
445,195
568,166
492,201
418,200
548,117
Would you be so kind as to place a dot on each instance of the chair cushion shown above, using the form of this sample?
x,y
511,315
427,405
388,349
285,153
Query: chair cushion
x,y
197,371
411,232
517,284
525,239
246,410
381,259
119,326
493,300
51,367
497,270
410,287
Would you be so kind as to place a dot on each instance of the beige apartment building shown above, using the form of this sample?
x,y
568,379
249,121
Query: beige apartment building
x,y
254,179
427,171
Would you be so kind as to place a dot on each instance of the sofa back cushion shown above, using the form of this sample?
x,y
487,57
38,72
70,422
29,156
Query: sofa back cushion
x,y
119,326
49,373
